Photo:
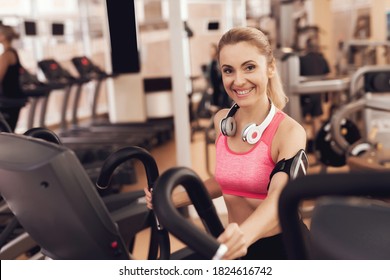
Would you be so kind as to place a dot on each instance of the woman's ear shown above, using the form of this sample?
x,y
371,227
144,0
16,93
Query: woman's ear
x,y
271,69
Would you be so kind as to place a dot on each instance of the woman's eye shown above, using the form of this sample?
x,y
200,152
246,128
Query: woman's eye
x,y
250,67
227,71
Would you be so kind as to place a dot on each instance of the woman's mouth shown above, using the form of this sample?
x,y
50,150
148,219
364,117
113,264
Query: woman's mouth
x,y
243,92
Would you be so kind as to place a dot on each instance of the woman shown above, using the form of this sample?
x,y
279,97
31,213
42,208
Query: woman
x,y
244,161
9,75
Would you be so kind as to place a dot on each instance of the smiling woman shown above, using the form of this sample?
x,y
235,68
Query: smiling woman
x,y
245,160
254,139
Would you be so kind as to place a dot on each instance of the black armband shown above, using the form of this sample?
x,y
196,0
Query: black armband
x,y
293,167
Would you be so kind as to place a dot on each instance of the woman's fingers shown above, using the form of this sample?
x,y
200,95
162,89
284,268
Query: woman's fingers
x,y
234,239
148,198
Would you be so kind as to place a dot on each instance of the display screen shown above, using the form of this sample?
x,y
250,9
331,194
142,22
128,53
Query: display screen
x,y
57,29
30,28
213,25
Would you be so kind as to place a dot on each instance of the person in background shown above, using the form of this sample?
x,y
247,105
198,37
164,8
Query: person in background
x,y
313,63
9,74
219,97
247,161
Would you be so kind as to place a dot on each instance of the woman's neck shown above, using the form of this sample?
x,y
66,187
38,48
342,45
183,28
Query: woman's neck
x,y
255,113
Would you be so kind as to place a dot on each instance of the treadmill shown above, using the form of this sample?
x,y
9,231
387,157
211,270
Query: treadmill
x,y
92,148
53,72
36,92
160,128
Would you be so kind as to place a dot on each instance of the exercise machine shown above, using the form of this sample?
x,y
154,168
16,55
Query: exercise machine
x,y
349,219
56,203
37,92
54,72
371,99
14,241
159,236
201,244
157,131
91,147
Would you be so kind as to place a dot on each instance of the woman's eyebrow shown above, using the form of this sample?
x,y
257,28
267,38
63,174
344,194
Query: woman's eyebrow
x,y
242,64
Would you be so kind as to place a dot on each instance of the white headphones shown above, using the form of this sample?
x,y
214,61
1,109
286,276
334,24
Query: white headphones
x,y
252,132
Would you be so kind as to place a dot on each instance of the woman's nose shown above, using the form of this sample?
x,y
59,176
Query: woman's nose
x,y
239,79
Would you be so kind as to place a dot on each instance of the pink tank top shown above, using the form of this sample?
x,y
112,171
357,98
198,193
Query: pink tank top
x,y
247,174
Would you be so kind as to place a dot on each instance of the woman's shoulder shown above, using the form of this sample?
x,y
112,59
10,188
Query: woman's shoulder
x,y
290,124
9,56
289,127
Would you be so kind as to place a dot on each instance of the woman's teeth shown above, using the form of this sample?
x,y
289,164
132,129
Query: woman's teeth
x,y
242,92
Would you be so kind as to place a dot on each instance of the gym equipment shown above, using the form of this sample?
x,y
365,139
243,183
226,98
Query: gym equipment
x,y
44,134
375,105
36,92
325,144
340,137
203,244
340,228
14,241
86,68
54,200
91,147
23,242
295,85
362,52
157,131
159,236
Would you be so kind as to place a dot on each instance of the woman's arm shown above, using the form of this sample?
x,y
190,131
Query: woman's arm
x,y
3,65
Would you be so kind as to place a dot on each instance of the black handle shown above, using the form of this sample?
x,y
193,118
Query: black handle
x,y
170,217
43,133
103,181
122,155
314,186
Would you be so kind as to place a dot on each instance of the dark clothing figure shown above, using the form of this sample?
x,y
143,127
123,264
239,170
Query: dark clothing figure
x,y
272,248
220,97
312,64
11,86
11,90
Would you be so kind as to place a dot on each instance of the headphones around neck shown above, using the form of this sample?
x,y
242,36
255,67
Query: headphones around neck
x,y
252,132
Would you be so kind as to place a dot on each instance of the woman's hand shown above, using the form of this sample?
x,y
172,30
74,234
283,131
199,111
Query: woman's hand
x,y
148,197
234,239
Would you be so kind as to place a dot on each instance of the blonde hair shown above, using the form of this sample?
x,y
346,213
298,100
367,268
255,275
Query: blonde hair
x,y
8,32
259,40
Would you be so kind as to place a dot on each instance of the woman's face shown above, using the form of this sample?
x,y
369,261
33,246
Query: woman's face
x,y
245,73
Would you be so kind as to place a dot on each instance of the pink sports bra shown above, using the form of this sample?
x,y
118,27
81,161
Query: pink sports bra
x,y
247,174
